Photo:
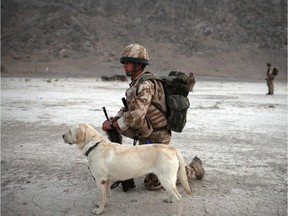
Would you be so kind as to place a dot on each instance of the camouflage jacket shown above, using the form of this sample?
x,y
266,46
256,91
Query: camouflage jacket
x,y
146,107
270,74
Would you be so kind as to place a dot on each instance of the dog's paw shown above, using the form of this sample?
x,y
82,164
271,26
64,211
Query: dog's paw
x,y
168,200
98,211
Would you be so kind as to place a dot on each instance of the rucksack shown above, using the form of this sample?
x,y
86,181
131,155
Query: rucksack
x,y
275,71
176,89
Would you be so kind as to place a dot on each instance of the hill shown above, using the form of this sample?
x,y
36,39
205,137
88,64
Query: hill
x,y
223,38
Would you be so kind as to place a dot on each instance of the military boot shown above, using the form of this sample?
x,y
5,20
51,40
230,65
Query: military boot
x,y
195,167
151,182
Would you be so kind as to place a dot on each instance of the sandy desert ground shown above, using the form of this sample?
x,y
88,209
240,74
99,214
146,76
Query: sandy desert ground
x,y
239,133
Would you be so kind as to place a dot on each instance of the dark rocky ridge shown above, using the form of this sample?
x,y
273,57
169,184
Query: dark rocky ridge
x,y
40,31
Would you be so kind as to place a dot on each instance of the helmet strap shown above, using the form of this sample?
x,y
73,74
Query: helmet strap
x,y
135,69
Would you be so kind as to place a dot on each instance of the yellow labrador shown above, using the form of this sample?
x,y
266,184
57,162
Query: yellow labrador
x,y
110,161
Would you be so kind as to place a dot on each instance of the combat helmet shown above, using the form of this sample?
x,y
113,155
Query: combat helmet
x,y
135,53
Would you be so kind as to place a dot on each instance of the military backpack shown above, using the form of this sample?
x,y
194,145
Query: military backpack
x,y
275,71
176,89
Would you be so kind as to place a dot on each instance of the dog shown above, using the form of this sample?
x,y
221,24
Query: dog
x,y
111,161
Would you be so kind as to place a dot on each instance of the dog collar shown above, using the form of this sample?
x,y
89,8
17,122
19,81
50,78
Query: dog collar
x,y
92,148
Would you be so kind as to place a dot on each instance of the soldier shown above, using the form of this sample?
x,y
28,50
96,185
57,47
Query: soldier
x,y
191,81
143,121
271,73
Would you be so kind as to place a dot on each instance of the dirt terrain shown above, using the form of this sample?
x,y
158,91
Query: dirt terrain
x,y
239,133
53,54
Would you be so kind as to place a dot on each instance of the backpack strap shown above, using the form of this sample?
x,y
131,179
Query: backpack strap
x,y
145,76
150,76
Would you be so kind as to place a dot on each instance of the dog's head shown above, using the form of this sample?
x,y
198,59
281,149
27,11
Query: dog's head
x,y
80,135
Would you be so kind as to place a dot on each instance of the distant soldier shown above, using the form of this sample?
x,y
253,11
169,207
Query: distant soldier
x,y
271,73
191,81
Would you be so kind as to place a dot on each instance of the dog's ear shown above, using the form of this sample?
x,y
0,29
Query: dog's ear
x,y
80,135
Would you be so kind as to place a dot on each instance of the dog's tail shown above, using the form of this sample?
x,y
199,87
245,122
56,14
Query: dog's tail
x,y
182,174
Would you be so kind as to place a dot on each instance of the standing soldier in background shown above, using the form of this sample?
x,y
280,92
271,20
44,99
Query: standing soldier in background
x,y
271,73
191,81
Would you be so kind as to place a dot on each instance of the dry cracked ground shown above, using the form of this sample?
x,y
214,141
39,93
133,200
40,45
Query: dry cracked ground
x,y
237,131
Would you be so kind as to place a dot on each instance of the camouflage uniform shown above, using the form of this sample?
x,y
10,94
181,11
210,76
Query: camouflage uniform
x,y
144,118
270,79
191,81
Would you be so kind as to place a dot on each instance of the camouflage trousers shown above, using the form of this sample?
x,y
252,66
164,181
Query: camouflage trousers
x,y
270,85
162,136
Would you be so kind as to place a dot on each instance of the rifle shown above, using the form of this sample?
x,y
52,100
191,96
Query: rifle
x,y
126,106
112,134
115,136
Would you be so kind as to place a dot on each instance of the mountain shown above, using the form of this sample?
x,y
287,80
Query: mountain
x,y
224,38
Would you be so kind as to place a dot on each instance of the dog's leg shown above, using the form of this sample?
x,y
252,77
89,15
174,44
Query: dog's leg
x,y
173,193
108,185
172,197
169,184
102,191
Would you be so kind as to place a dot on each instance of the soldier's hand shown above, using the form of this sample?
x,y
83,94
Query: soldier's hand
x,y
106,125
114,119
